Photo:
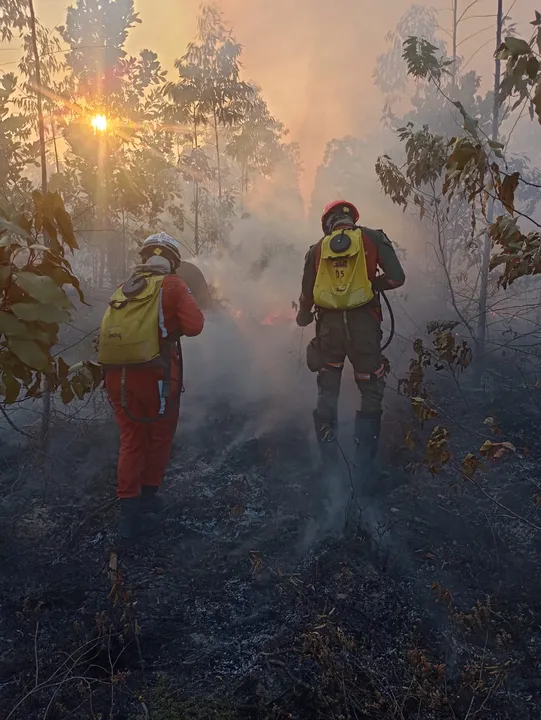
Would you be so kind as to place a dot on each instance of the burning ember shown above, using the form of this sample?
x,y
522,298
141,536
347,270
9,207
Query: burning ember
x,y
273,318
278,318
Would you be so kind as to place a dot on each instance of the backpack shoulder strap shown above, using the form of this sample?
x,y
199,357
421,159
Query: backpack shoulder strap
x,y
369,233
318,253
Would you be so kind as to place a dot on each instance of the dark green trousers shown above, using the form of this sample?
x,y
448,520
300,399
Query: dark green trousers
x,y
356,335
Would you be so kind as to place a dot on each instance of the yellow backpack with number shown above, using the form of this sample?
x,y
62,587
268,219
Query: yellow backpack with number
x,y
342,279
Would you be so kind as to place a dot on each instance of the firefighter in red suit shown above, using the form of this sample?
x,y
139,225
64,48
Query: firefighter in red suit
x,y
140,352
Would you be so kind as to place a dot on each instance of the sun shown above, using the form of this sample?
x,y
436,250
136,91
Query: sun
x,y
99,123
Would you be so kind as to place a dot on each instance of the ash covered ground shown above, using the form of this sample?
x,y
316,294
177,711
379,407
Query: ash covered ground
x,y
250,602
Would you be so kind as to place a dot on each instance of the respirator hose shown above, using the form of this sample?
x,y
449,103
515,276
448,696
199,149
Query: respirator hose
x,y
391,316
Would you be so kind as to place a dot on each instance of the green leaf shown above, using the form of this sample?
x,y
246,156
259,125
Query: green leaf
x,y
50,233
537,100
5,272
45,333
37,197
12,387
517,46
30,353
66,393
64,223
10,326
63,369
11,227
62,276
32,312
51,203
6,241
42,288
470,124
23,222
78,387
532,67
97,372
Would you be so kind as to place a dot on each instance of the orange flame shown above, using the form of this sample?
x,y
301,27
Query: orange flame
x,y
278,318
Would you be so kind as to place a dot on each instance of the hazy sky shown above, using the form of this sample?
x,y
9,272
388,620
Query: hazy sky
x,y
313,58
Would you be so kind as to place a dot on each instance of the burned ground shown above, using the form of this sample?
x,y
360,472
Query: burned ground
x,y
244,606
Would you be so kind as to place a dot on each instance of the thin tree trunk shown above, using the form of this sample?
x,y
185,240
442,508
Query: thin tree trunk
x,y
124,253
57,161
483,293
41,123
538,314
46,412
197,247
102,265
242,186
218,164
246,180
443,261
455,33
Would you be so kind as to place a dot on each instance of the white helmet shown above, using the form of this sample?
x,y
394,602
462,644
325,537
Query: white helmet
x,y
163,241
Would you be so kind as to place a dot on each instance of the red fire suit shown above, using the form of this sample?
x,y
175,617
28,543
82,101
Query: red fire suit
x,y
145,448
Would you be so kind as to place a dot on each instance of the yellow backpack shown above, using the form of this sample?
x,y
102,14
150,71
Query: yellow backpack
x,y
342,281
133,324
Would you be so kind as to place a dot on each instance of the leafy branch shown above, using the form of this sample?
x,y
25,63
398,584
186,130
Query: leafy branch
x,y
468,165
34,302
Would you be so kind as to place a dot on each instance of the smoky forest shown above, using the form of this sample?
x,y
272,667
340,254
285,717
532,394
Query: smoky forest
x,y
272,583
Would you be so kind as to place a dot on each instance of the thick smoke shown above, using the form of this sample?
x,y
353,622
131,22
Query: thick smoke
x,y
251,353
314,62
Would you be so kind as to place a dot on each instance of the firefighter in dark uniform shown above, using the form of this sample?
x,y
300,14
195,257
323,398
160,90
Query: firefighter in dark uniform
x,y
195,280
341,280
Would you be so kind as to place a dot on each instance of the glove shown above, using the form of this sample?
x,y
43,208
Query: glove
x,y
304,318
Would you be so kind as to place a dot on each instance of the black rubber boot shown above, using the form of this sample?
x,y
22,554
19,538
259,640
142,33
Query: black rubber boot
x,y
133,523
326,438
367,431
150,502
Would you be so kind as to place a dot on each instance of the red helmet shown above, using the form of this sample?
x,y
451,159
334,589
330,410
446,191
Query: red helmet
x,y
338,207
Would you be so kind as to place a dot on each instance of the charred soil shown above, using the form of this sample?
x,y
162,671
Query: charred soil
x,y
243,606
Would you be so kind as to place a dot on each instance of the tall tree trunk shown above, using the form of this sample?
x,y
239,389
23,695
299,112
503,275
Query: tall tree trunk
x,y
124,250
57,161
105,239
196,243
243,187
41,123
218,164
455,33
485,261
102,265
46,412
197,246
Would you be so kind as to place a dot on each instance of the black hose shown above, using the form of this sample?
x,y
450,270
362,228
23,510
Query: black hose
x,y
391,315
